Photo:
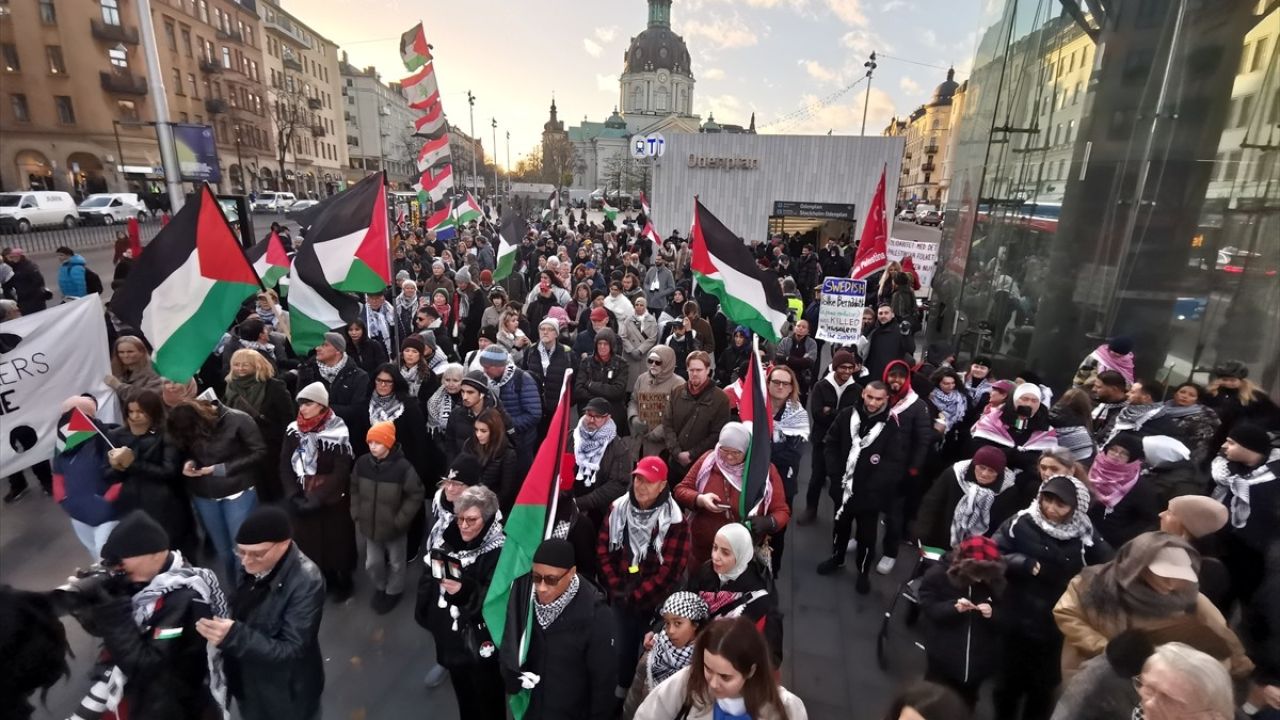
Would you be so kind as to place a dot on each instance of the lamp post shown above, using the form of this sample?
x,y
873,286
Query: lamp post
x,y
508,163
471,100
160,105
495,156
870,65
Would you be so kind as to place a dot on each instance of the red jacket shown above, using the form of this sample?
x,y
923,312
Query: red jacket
x,y
704,525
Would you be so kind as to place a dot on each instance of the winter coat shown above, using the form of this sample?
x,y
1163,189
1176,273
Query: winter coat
x,y
419,447
521,399
272,653
320,505
367,354
574,656
963,646
667,700
1197,430
604,379
938,508
660,572
235,450
639,333
650,401
693,424
385,495
825,402
808,273
449,632
1030,598
153,483
877,477
26,286
799,354
1260,630
166,677
1137,512
703,525
83,484
903,302
462,426
71,278
501,474
348,396
726,599
886,343
550,379
274,414
612,480
682,346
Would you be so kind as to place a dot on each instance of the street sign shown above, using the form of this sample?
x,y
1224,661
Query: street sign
x,y
652,145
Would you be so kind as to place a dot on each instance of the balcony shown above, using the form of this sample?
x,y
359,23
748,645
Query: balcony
x,y
314,103
292,63
931,149
353,141
287,30
113,33
210,66
318,131
231,36
124,83
927,167
215,106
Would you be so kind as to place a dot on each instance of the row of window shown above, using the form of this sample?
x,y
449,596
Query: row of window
x,y
62,106
1254,57
1228,167
277,49
1069,64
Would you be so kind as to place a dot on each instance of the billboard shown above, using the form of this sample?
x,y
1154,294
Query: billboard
x,y
197,152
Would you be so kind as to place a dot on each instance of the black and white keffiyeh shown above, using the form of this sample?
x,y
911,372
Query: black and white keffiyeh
x,y
379,324
1232,488
665,659
1077,526
547,614
973,513
792,422
637,526
385,408
859,442
329,373
332,436
589,447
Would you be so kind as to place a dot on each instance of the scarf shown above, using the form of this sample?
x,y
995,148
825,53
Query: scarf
x,y
1133,417
329,373
179,575
1112,480
791,421
990,426
953,405
246,393
1077,526
665,659
1108,360
1172,410
436,362
408,304
266,315
325,432
904,401
1233,485
544,354
379,323
263,347
507,373
385,408
860,441
442,518
589,447
973,513
411,376
547,614
439,408
638,526
977,389
733,476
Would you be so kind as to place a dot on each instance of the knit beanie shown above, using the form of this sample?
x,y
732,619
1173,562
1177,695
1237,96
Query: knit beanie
x,y
137,534
476,380
599,314
466,469
1251,437
494,356
338,342
316,393
1026,389
552,322
383,433
991,457
267,523
556,553
1199,514
486,276
415,343
843,357
462,276
736,436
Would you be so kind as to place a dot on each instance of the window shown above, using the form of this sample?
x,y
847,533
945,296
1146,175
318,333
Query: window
x,y
183,117
21,113
1075,95
66,111
10,53
1071,130
48,13
1246,108
171,35
177,82
56,64
195,89
226,57
1245,64
119,60
204,11
1232,166
127,110
186,41
1259,57
111,12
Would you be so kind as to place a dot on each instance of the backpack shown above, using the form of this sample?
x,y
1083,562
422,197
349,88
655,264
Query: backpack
x,y
92,283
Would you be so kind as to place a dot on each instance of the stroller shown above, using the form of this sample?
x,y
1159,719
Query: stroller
x,y
926,557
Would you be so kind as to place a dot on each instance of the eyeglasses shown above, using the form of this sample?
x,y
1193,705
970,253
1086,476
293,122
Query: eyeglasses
x,y
780,383
384,381
253,555
469,520
548,580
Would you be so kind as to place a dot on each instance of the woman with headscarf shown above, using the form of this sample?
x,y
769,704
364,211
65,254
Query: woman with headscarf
x,y
1115,354
735,583
712,492
253,389
1151,585
971,497
1197,424
1123,506
315,470
1044,547
732,363
1022,430
650,400
146,466
131,369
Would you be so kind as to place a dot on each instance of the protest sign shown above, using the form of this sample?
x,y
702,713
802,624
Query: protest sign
x,y
924,255
840,318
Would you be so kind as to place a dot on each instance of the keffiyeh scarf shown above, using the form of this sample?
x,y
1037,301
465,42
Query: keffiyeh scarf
x,y
792,422
637,527
439,408
860,441
442,518
411,376
952,405
973,513
991,427
380,322
330,435
1133,417
665,659
547,614
507,373
384,408
1077,526
266,315
329,373
733,476
1108,360
589,447
1112,480
1232,488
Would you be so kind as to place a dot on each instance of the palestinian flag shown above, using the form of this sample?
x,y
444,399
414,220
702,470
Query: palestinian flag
x,y
433,152
414,49
723,266
437,183
78,429
466,210
420,89
526,527
610,212
753,410
442,223
187,293
347,251
509,235
432,120
269,260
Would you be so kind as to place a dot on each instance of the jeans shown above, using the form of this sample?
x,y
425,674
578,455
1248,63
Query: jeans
x,y
93,537
221,519
385,563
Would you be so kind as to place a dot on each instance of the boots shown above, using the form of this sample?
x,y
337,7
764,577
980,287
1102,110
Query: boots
x,y
831,564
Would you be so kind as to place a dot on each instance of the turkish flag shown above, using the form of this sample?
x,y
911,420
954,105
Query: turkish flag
x,y
873,246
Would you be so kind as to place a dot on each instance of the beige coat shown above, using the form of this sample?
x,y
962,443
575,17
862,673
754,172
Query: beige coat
x,y
665,701
1087,633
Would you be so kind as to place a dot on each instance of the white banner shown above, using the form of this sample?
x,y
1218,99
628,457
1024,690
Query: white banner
x,y
840,318
48,357
924,255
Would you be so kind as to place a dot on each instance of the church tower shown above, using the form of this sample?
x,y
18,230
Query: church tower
x,y
657,78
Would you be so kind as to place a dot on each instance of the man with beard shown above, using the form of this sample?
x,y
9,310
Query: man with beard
x,y
1244,479
835,392
697,411
1110,390
468,307
889,340
602,460
918,433
1143,413
659,283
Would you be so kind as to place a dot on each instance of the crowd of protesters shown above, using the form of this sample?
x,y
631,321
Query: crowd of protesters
x,y
1117,547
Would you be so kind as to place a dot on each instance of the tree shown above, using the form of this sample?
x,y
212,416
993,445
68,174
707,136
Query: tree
x,y
529,168
557,160
623,174
292,117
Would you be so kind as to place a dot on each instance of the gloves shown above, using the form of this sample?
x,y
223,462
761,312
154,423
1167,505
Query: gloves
x,y
528,680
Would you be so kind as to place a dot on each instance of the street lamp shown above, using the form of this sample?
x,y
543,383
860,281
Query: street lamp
x,y
495,156
870,65
471,100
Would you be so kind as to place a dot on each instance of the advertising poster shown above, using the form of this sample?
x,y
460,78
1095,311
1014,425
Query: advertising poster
x,y
197,152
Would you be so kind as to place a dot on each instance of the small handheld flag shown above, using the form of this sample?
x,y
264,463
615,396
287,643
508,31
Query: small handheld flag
x,y
80,428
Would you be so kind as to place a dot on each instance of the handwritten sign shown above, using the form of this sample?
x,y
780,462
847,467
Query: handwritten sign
x,y
840,319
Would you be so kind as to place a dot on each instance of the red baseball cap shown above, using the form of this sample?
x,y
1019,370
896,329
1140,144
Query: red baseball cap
x,y
599,314
652,469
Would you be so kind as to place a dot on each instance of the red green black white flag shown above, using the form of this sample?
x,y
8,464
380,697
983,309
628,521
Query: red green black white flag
x,y
77,430
723,266
753,409
270,261
414,49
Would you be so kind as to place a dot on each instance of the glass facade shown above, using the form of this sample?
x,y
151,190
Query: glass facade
x,y
1117,175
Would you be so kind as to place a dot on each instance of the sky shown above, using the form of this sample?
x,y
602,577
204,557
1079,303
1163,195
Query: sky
x,y
779,58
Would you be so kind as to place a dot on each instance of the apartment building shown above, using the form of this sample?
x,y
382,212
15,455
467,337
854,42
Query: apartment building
x,y
379,127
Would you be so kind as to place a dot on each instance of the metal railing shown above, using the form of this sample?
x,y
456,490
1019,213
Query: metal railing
x,y
113,33
88,237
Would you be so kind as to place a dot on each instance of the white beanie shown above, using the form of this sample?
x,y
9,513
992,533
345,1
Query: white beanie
x,y
1026,389
735,436
555,324
316,393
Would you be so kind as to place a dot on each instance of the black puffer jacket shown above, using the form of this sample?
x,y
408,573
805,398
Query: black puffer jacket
x,y
548,380
272,653
878,472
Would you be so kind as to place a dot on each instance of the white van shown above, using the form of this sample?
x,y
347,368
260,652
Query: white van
x,y
111,208
23,211
923,209
269,201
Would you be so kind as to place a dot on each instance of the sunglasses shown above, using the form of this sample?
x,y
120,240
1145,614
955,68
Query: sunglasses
x,y
654,361
548,580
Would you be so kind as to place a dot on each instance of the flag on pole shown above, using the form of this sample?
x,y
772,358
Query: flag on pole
x,y
610,211
437,183
432,120
420,88
466,209
187,293
873,247
433,152
79,429
269,260
509,237
442,223
529,523
414,49
346,251
723,266
553,203
644,204
753,410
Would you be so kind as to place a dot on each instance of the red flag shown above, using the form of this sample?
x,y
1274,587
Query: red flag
x,y
135,238
873,247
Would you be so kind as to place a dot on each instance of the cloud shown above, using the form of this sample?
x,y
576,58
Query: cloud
x,y
818,72
592,48
892,5
864,42
909,86
728,107
842,117
929,38
722,33
605,34
848,11
607,83
713,74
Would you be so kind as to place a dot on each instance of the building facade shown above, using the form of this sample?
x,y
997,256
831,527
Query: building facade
x,y
379,127
306,110
927,134
76,114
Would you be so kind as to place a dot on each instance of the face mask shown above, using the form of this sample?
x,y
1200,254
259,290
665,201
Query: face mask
x,y
1024,411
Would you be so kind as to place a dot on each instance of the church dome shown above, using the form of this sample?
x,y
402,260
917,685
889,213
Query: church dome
x,y
615,120
946,90
658,48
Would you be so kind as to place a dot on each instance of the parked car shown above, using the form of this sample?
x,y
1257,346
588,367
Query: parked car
x,y
22,211
923,209
111,208
907,215
302,205
930,217
269,201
